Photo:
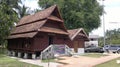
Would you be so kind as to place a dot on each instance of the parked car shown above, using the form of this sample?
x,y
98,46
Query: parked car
x,y
112,48
94,49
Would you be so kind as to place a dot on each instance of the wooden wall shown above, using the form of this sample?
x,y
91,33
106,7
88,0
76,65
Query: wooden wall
x,y
21,44
41,41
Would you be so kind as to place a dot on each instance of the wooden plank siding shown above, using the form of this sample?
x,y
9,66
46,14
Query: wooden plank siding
x,y
21,44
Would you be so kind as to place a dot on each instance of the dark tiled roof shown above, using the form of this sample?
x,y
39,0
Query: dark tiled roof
x,y
37,16
28,35
55,18
28,27
35,23
53,30
72,32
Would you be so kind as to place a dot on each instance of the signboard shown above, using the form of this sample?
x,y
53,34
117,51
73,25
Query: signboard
x,y
59,49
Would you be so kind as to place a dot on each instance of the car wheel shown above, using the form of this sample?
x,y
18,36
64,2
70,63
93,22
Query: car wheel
x,y
118,51
87,51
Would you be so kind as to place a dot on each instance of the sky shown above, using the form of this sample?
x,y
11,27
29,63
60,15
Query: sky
x,y
31,3
111,16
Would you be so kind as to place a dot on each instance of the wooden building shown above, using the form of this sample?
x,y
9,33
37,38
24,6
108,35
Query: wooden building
x,y
34,33
77,38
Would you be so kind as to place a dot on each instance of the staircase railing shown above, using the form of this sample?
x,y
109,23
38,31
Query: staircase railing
x,y
49,52
68,51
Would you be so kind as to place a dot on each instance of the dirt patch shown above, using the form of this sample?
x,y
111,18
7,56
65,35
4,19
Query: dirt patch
x,y
83,61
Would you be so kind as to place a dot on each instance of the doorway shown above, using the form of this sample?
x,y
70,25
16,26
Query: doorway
x,y
50,40
76,46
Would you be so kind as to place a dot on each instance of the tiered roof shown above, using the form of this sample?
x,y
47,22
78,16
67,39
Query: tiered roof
x,y
30,25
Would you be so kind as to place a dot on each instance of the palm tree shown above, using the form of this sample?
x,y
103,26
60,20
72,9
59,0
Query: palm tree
x,y
22,11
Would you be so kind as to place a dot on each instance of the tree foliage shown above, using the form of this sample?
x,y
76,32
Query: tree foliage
x,y
113,36
22,10
7,18
77,13
10,12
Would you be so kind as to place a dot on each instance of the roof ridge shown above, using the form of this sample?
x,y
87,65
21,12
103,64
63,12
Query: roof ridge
x,y
37,16
78,30
31,22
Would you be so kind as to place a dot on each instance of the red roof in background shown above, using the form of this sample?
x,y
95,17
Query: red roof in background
x,y
74,32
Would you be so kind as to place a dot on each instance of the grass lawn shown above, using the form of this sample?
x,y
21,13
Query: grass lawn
x,y
6,61
96,55
111,63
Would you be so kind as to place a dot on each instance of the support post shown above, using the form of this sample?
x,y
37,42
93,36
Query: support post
x,y
9,53
25,55
33,56
13,53
19,54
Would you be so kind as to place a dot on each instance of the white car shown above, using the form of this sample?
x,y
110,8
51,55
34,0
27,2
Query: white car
x,y
112,48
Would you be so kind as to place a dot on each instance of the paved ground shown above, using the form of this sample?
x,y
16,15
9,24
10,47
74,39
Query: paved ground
x,y
82,61
75,61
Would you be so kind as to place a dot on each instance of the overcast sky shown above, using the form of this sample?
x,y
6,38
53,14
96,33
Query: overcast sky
x,y
112,16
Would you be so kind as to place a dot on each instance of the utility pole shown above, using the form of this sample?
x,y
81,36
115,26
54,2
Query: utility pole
x,y
104,41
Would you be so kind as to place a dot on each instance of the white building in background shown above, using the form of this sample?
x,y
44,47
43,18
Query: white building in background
x,y
93,41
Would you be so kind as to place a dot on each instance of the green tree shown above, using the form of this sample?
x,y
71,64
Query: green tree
x,y
22,10
77,13
113,36
7,18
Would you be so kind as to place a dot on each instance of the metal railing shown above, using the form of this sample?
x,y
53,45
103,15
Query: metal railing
x,y
68,51
49,51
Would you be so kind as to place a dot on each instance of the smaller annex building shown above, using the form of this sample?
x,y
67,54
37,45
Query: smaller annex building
x,y
34,33
77,40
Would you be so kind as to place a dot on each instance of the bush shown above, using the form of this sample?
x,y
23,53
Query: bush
x,y
3,50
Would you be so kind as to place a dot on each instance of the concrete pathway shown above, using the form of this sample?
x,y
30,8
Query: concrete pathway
x,y
82,61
